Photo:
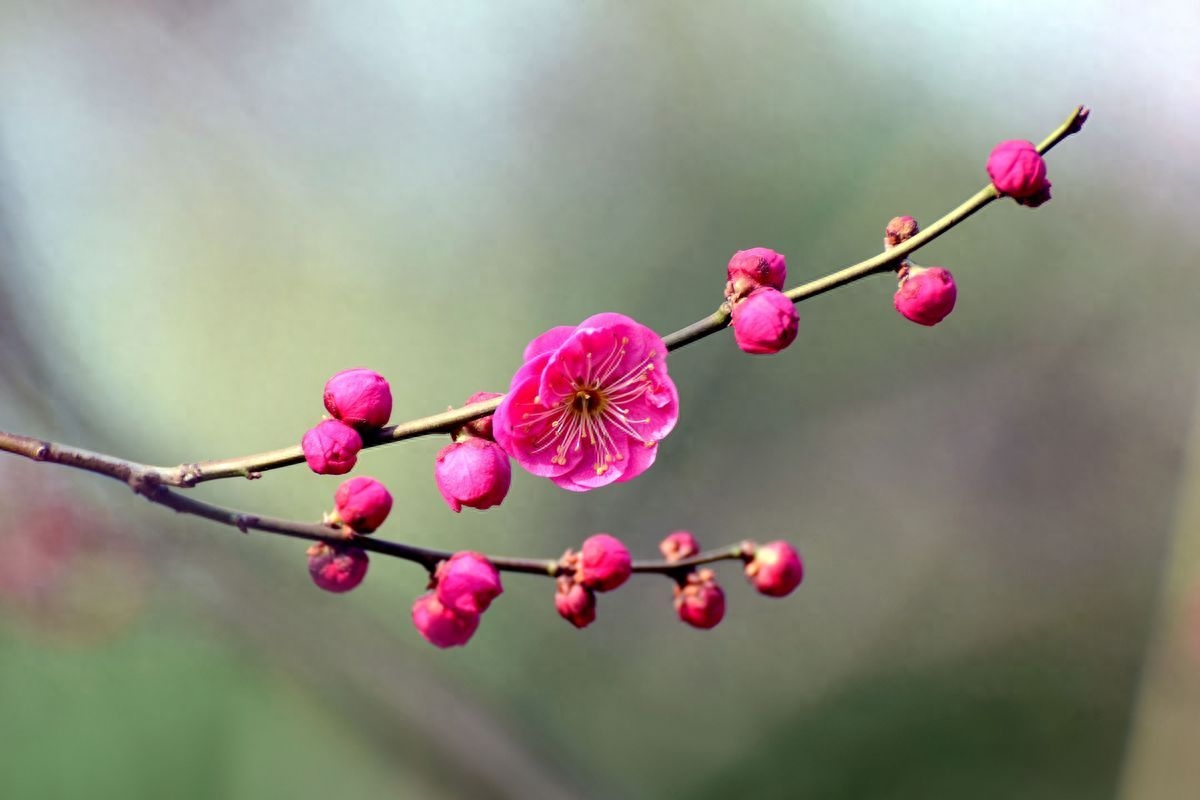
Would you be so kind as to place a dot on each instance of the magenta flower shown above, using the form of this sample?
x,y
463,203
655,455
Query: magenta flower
x,y
575,603
331,447
750,269
474,473
700,602
926,295
679,545
604,563
1019,171
776,569
442,626
359,397
362,504
590,404
467,583
765,322
337,568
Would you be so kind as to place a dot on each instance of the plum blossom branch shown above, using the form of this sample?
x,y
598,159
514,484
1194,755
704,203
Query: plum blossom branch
x,y
252,466
603,383
143,481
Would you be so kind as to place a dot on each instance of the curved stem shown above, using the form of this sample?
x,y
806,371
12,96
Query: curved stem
x,y
252,466
154,482
145,482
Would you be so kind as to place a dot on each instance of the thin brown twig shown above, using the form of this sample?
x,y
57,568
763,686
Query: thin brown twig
x,y
154,482
252,466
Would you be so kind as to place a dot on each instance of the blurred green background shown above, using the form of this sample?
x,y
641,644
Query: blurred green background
x,y
208,208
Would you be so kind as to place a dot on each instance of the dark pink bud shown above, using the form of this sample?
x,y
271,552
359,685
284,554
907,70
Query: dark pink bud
x,y
604,563
362,504
750,269
899,229
575,603
700,602
467,583
481,427
678,545
1018,170
441,626
926,294
359,397
765,322
331,448
474,472
337,568
776,569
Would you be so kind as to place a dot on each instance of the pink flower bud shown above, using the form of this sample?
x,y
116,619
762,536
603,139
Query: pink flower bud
x,y
362,504
926,294
1019,171
899,229
481,427
604,563
467,583
441,626
337,568
575,602
473,473
750,269
359,397
678,545
765,322
776,569
700,602
331,447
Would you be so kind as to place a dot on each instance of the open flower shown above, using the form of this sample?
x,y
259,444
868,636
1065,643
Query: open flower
x,y
590,404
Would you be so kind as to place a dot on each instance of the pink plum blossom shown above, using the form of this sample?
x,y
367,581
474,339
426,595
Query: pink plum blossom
x,y
575,602
331,447
467,583
337,568
590,404
474,473
750,269
359,397
776,569
604,563
1018,170
441,626
700,602
765,322
925,295
679,545
362,504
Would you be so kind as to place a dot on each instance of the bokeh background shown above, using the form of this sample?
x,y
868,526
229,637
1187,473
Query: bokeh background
x,y
206,208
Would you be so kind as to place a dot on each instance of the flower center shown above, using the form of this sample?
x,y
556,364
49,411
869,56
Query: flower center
x,y
588,401
597,413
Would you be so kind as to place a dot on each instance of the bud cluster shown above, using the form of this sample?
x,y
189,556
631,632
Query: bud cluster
x,y
360,506
462,588
764,320
359,401
602,564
